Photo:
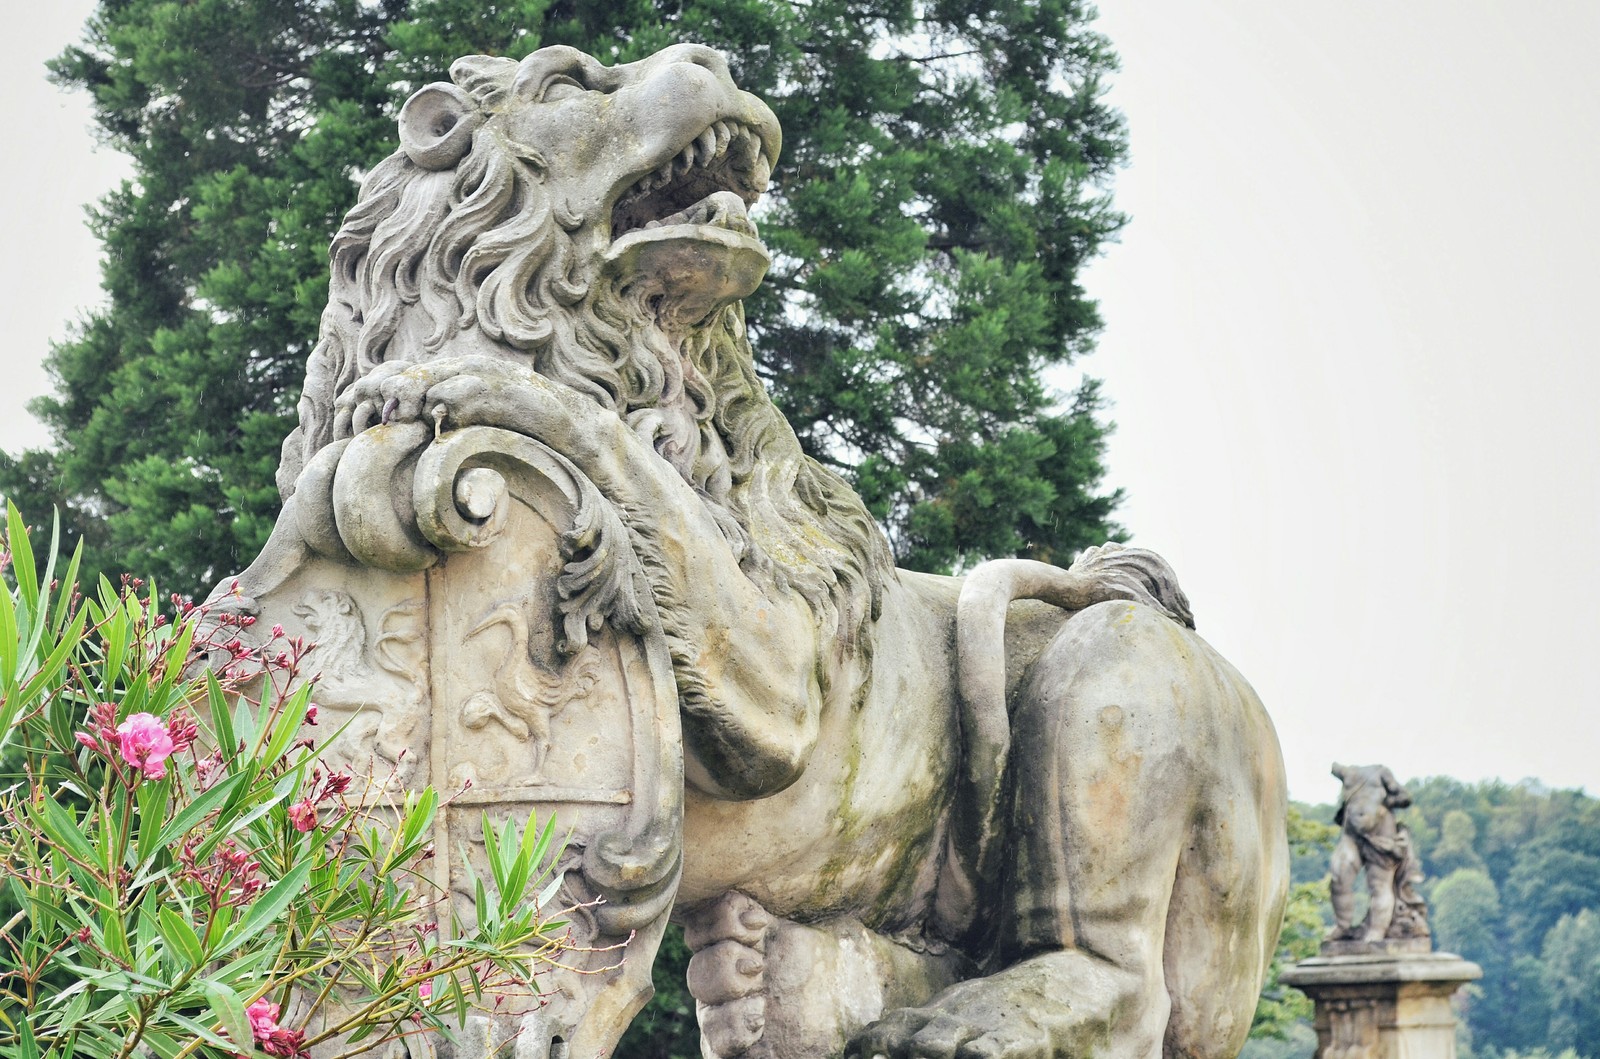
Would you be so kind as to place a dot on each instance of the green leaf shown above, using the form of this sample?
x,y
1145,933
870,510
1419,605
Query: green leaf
x,y
61,826
190,815
27,1047
229,1011
181,936
244,727
221,716
286,726
22,569
153,796
69,585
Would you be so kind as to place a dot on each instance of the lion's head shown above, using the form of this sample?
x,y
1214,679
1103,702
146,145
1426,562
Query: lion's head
x,y
591,222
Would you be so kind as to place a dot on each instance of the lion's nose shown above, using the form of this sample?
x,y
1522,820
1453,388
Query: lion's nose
x,y
697,54
700,55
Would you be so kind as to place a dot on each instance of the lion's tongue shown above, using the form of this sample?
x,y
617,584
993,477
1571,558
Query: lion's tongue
x,y
723,209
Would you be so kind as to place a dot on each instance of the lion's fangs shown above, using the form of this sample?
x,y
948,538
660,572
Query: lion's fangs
x,y
725,157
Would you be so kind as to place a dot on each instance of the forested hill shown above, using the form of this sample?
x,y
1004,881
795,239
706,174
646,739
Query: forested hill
x,y
1513,884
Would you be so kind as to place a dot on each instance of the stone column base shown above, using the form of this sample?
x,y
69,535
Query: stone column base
x,y
1384,1005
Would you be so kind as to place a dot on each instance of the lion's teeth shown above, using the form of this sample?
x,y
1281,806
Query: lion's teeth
x,y
723,135
663,174
707,144
745,149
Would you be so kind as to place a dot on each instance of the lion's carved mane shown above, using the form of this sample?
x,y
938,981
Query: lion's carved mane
x,y
426,255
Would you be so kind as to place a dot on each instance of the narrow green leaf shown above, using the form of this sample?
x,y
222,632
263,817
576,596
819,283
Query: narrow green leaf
x,y
190,815
181,937
69,585
229,1010
61,826
27,1047
153,798
53,664
244,726
228,826
8,649
22,568
163,1044
221,717
286,727
491,846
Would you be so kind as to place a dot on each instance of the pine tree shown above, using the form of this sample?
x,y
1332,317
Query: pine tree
x,y
942,183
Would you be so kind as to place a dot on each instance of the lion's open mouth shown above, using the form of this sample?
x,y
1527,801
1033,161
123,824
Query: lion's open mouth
x,y
711,181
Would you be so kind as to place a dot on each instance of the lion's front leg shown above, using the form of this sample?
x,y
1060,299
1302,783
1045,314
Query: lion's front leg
x,y
743,654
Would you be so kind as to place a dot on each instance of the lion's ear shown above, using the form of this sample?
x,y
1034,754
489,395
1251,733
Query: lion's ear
x,y
436,125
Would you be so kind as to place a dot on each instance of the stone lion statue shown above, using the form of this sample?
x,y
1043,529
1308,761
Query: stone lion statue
x,y
1028,812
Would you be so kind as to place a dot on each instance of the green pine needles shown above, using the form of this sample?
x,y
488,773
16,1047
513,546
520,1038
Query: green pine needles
x,y
942,183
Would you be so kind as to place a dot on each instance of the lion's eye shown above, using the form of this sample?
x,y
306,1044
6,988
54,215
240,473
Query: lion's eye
x,y
560,87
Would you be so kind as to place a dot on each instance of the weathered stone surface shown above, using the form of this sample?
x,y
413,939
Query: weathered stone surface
x,y
1380,1006
552,537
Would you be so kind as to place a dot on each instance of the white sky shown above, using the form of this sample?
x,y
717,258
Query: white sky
x,y
1348,334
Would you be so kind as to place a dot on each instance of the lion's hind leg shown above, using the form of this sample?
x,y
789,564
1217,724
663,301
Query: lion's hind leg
x,y
1118,740
1228,895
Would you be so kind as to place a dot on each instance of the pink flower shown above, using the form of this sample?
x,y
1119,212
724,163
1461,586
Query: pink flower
x,y
425,990
273,1038
303,815
311,714
263,1017
145,744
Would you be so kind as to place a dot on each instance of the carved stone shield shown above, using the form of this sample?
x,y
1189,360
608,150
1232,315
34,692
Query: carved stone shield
x,y
482,625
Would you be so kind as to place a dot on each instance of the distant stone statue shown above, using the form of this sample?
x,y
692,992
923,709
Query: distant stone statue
x,y
579,564
1372,839
1378,987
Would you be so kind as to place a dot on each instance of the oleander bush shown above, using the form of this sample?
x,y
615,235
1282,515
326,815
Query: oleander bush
x,y
183,877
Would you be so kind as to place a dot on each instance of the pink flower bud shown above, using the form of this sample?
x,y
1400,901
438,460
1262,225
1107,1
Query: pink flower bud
x,y
145,743
183,730
87,740
285,1044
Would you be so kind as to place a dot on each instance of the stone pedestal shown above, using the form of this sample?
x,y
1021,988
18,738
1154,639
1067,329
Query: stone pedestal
x,y
1384,1005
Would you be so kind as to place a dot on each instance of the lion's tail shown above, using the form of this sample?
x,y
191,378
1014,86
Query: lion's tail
x,y
1108,572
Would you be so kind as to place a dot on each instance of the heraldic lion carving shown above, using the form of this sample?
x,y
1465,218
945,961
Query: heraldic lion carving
x,y
1024,813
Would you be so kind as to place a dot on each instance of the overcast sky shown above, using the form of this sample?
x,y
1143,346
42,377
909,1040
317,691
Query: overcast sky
x,y
1349,337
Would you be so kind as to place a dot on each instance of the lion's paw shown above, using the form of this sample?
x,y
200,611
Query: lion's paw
x,y
450,387
1038,1009
970,1027
727,973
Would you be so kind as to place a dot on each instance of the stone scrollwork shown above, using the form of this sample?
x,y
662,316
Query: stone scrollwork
x,y
479,469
